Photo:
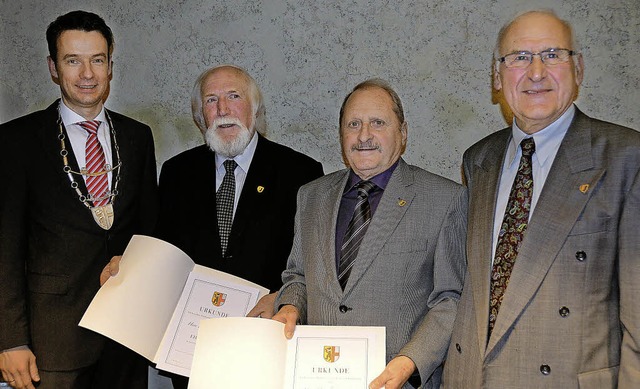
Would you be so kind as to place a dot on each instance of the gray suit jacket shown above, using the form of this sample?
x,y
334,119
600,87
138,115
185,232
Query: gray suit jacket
x,y
570,317
408,273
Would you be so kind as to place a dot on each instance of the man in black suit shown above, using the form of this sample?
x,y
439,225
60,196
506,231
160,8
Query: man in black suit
x,y
228,109
58,228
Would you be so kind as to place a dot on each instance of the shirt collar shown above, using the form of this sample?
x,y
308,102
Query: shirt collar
x,y
244,159
70,117
546,139
381,180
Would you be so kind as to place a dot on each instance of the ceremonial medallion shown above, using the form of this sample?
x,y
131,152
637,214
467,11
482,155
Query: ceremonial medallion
x,y
103,216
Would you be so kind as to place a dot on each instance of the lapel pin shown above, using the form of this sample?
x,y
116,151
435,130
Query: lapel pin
x,y
402,202
584,188
260,189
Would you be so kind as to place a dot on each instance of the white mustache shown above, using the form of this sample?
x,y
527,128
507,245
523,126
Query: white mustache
x,y
224,121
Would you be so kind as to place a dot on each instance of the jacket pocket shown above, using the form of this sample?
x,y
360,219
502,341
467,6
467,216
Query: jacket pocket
x,y
590,226
48,283
599,379
404,246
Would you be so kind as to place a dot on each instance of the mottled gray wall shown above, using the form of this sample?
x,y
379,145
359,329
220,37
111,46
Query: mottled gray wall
x,y
306,55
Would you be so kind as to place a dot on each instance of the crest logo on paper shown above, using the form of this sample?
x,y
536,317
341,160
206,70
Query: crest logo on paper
x,y
331,353
218,299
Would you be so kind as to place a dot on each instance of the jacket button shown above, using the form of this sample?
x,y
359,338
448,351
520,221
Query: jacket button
x,y
564,311
458,348
545,369
581,255
344,308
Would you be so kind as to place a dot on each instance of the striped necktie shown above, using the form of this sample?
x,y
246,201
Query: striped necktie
x,y
355,231
96,180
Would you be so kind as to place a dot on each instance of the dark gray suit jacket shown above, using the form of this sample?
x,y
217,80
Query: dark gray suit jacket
x,y
408,273
51,250
570,317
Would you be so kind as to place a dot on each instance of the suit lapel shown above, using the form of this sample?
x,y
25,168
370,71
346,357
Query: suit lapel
x,y
204,189
127,156
51,147
385,220
329,200
560,205
257,189
480,230
49,138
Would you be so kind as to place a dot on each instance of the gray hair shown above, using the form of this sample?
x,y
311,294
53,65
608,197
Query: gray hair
x,y
257,103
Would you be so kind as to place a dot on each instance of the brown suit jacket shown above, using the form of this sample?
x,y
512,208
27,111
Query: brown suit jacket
x,y
570,317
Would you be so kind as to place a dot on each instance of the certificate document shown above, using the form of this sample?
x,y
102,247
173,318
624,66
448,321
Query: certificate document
x,y
338,362
201,299
155,303
252,352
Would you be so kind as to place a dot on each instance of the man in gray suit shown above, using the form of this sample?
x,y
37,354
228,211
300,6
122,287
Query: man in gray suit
x,y
565,312
406,273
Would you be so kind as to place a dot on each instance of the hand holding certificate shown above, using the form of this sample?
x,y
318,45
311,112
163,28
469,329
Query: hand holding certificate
x,y
155,303
249,352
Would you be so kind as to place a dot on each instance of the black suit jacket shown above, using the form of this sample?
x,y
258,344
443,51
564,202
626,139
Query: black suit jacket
x,y
262,231
51,250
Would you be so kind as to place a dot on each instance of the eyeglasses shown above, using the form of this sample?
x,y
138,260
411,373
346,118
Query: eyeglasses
x,y
522,59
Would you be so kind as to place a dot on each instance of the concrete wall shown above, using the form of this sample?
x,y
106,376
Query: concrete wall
x,y
307,54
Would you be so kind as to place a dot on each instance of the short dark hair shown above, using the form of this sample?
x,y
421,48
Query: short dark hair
x,y
81,21
376,83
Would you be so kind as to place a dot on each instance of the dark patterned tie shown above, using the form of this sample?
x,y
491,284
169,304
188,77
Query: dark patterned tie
x,y
355,231
514,225
97,181
224,203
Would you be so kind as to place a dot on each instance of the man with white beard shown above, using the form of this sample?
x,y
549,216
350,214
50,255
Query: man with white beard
x,y
251,236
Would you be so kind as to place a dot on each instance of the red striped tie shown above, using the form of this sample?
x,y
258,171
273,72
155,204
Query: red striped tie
x,y
95,162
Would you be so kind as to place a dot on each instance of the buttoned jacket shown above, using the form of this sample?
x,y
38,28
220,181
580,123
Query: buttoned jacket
x,y
408,272
570,316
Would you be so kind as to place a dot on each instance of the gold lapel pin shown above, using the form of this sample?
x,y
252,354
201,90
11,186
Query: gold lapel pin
x,y
260,189
584,188
402,202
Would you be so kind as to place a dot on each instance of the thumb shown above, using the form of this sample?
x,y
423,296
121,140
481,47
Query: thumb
x,y
33,369
289,328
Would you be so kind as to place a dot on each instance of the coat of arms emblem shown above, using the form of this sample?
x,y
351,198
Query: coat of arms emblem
x,y
331,353
218,299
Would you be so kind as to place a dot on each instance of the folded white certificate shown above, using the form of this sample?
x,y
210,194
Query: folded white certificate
x,y
155,303
253,353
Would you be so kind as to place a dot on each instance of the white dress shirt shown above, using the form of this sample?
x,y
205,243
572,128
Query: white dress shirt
x,y
547,143
77,136
244,161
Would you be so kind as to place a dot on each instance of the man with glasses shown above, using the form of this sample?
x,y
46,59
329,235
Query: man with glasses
x,y
551,295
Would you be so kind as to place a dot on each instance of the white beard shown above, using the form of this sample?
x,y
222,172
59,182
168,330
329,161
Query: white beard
x,y
228,149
